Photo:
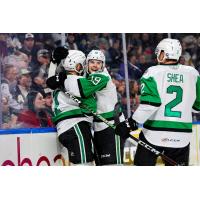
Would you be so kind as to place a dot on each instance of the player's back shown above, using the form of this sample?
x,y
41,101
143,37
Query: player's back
x,y
176,86
172,88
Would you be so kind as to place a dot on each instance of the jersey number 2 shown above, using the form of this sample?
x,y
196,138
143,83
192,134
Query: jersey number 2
x,y
179,96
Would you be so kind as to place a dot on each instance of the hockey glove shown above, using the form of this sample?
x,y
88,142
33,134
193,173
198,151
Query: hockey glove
x,y
124,128
133,124
58,54
56,81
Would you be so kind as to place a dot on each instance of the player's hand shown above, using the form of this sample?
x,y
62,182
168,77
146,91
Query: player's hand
x,y
56,81
58,54
124,128
133,124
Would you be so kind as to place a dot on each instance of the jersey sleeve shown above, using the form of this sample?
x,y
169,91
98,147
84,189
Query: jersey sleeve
x,y
149,92
150,99
196,105
95,82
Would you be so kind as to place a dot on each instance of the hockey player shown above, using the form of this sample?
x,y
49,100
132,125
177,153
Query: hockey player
x,y
169,93
98,81
73,127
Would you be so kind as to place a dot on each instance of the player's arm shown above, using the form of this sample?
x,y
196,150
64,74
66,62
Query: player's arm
x,y
196,105
149,100
85,87
56,79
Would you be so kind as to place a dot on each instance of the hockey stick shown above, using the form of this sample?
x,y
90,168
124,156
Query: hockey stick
x,y
146,146
96,155
140,142
53,70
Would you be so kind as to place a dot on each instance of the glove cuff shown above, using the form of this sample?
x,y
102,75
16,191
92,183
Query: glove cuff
x,y
133,124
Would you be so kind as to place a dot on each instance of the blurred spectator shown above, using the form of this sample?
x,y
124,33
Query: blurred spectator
x,y
83,43
9,77
134,72
121,90
190,44
197,63
28,43
103,45
146,41
13,43
116,78
186,55
134,43
93,40
56,39
71,43
43,56
134,94
115,54
108,37
21,90
9,120
18,59
46,41
147,46
29,47
3,45
156,38
38,81
43,61
35,116
182,60
48,101
36,49
142,63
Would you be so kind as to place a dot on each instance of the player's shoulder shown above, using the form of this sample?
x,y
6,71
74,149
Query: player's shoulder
x,y
73,77
190,69
157,69
102,75
151,71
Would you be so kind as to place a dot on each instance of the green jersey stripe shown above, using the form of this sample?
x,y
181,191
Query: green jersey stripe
x,y
150,103
196,105
81,143
167,129
118,149
168,125
70,113
196,108
55,96
108,116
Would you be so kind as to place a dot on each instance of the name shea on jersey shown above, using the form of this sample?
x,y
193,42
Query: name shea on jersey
x,y
176,78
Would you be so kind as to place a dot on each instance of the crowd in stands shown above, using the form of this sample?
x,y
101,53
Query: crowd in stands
x,y
25,58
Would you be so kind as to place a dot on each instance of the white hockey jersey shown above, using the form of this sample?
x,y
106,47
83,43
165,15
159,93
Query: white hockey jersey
x,y
67,112
99,84
169,94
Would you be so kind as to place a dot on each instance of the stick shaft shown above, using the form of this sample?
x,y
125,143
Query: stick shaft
x,y
146,146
